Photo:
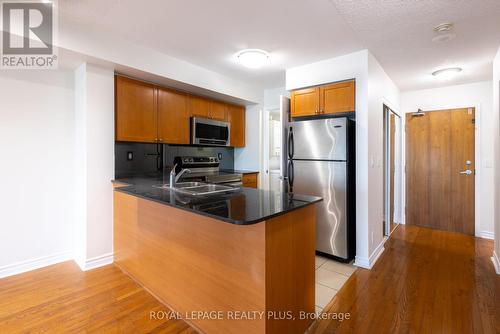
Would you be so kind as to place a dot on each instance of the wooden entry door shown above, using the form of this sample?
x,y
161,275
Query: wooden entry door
x,y
439,154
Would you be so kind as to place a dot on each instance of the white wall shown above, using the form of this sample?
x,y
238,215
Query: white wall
x,y
496,157
36,169
373,88
94,153
477,95
381,90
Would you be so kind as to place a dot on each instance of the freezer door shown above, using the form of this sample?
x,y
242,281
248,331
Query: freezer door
x,y
326,179
322,139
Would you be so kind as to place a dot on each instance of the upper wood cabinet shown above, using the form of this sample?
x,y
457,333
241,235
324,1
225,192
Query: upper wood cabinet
x,y
236,117
173,117
218,110
135,111
151,114
305,102
337,98
199,106
326,99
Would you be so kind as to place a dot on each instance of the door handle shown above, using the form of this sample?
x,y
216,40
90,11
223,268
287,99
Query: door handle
x,y
466,172
291,144
291,175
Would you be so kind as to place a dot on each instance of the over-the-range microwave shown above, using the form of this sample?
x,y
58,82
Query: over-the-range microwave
x,y
211,132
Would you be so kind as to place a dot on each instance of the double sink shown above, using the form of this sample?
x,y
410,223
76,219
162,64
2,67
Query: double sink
x,y
198,188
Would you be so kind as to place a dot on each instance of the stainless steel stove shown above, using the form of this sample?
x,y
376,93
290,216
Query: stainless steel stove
x,y
206,169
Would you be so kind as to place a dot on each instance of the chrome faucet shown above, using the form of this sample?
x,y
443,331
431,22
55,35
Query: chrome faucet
x,y
174,178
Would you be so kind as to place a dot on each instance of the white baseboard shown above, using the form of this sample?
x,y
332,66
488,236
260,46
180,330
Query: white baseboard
x,y
96,262
44,261
486,235
368,263
496,262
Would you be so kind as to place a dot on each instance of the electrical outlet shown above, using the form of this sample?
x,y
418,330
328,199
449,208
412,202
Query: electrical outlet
x,y
130,156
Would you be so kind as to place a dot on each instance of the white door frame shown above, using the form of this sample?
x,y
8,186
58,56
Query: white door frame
x,y
265,150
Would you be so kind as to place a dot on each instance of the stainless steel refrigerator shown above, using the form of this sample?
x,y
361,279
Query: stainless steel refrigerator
x,y
321,163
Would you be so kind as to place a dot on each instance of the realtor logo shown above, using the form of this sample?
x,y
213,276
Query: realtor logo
x,y
28,33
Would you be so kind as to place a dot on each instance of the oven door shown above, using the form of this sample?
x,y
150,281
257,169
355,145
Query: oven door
x,y
209,132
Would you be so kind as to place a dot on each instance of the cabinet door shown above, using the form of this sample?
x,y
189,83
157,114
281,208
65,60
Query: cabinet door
x,y
173,117
218,111
337,98
305,102
236,117
199,107
135,111
250,180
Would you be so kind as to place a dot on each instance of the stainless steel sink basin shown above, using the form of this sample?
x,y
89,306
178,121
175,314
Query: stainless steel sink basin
x,y
198,188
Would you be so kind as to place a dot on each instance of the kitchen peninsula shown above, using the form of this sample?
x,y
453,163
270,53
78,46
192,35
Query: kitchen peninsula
x,y
247,252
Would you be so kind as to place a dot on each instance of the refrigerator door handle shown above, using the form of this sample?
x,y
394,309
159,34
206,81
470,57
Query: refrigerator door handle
x,y
290,175
291,145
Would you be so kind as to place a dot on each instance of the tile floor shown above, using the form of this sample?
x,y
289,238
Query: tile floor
x,y
330,276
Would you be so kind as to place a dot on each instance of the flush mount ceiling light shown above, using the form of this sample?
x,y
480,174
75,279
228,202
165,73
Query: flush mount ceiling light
x,y
447,73
443,32
252,58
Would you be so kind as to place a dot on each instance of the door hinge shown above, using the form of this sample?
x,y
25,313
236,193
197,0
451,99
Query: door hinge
x,y
473,121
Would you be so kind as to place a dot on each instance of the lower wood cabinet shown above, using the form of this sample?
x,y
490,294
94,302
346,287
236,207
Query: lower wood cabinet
x,y
250,180
332,98
148,113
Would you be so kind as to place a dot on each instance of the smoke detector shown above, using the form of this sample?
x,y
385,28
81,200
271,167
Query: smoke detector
x,y
443,32
443,27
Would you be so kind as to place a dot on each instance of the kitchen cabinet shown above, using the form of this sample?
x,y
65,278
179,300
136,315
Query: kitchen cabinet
x,y
236,117
305,102
325,99
148,113
173,117
337,98
199,106
218,111
250,180
136,115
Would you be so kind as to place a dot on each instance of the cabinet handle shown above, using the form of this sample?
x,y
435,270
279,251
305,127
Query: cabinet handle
x,y
321,111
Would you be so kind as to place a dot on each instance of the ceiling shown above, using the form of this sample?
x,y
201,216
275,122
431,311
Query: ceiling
x,y
297,32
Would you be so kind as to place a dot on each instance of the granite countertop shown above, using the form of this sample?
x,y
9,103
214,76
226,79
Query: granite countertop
x,y
239,171
245,206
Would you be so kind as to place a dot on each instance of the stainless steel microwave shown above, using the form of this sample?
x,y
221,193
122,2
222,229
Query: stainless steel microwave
x,y
206,131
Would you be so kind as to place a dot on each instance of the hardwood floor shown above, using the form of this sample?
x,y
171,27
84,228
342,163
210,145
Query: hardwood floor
x,y
426,281
63,299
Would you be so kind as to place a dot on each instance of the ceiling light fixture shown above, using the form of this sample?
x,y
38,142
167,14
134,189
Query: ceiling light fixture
x,y
447,73
252,58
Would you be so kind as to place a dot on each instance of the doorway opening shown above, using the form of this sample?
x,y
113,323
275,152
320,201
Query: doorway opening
x,y
440,169
392,170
